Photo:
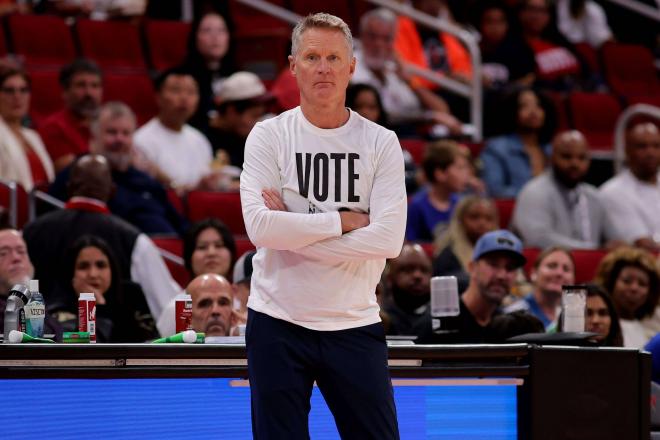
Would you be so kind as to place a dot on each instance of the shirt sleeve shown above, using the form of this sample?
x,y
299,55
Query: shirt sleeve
x,y
622,214
383,238
149,270
494,175
277,230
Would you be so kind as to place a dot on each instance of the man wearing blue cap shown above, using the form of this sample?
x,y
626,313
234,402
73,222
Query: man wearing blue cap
x,y
497,256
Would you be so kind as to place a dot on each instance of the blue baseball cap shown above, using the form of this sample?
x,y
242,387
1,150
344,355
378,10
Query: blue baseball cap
x,y
500,241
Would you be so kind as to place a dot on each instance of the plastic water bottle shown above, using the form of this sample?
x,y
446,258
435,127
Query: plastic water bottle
x,y
35,312
18,296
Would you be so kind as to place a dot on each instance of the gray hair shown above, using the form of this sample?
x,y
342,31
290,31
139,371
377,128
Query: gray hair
x,y
380,14
114,109
323,21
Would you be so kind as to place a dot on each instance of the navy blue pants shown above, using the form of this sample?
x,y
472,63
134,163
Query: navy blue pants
x,y
349,367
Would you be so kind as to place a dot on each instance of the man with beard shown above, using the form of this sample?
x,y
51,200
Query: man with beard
x,y
497,256
67,132
557,208
378,66
408,281
212,305
632,197
138,198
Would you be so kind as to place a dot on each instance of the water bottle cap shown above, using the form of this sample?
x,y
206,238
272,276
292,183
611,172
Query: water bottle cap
x,y
34,285
86,296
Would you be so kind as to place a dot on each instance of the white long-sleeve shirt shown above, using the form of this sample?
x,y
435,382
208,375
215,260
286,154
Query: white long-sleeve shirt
x,y
305,271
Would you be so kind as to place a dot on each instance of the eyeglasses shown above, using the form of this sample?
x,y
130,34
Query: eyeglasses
x,y
15,90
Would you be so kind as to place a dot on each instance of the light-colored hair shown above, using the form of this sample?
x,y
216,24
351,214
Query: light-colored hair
x,y
380,14
320,20
455,237
114,109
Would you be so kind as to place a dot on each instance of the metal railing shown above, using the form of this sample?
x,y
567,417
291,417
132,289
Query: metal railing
x,y
639,7
12,188
472,91
622,124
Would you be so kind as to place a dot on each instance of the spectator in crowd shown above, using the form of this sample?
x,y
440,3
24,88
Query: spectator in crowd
x,y
210,61
138,198
510,160
67,132
632,198
505,57
16,268
430,49
23,156
472,218
497,256
365,99
553,268
122,313
86,213
583,21
558,208
175,153
408,282
98,9
447,172
241,103
507,325
631,277
211,305
379,67
241,283
557,67
209,247
601,318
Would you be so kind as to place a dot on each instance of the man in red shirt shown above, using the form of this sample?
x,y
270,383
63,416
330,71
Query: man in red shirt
x,y
66,133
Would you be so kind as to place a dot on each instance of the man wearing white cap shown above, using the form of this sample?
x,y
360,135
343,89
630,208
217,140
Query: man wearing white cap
x,y
241,103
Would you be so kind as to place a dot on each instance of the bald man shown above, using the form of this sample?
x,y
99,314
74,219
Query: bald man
x,y
212,304
86,213
632,197
557,208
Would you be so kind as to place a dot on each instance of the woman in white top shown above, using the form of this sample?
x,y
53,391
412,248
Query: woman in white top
x,y
632,278
23,156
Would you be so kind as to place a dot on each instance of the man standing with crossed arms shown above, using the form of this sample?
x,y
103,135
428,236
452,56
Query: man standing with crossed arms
x,y
324,201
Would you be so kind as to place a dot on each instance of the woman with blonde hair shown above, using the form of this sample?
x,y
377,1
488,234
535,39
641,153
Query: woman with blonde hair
x,y
632,278
472,217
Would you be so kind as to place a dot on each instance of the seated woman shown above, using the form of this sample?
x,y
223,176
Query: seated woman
x,y
210,61
601,318
472,217
510,160
553,268
23,156
631,277
122,313
209,247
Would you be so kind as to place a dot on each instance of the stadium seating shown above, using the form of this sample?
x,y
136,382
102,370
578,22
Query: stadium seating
x,y
166,42
505,210
416,148
114,45
225,206
595,115
630,71
46,95
22,205
134,89
43,41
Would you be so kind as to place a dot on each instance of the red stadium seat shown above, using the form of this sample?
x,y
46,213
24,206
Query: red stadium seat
x,y
428,249
559,102
43,40
263,52
505,210
630,70
20,210
340,8
173,245
46,95
166,42
176,201
225,206
114,45
416,148
134,89
246,19
530,254
3,45
589,55
586,263
595,115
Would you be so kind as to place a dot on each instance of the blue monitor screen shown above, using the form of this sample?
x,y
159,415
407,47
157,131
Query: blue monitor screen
x,y
203,408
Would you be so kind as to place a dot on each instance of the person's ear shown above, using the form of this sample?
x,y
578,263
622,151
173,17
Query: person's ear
x,y
292,65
